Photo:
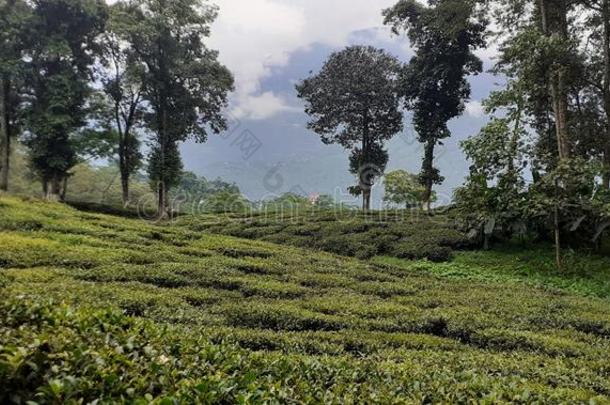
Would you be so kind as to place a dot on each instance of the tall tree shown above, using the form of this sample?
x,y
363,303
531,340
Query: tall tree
x,y
122,109
604,14
445,34
354,102
553,15
14,16
184,84
550,117
60,59
597,29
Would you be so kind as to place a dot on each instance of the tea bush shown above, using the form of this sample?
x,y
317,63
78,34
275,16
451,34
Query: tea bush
x,y
107,309
400,234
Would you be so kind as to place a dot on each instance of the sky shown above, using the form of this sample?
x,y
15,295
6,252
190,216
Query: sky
x,y
270,45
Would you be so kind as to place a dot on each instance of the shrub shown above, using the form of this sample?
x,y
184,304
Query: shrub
x,y
349,234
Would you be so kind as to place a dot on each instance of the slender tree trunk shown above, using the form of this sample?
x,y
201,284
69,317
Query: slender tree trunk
x,y
162,200
554,23
559,94
557,231
53,193
162,203
124,172
125,188
427,168
5,134
64,189
362,175
606,85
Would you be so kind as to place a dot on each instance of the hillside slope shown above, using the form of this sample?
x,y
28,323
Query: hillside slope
x,y
95,306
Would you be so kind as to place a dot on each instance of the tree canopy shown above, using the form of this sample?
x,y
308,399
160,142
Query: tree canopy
x,y
184,84
434,83
354,102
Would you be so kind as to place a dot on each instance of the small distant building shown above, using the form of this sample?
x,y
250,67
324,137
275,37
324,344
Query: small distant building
x,y
314,198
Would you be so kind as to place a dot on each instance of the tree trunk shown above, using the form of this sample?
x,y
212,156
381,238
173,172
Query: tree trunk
x,y
606,86
125,188
161,200
53,193
64,189
366,197
5,134
560,103
162,203
557,232
363,179
554,23
427,169
124,172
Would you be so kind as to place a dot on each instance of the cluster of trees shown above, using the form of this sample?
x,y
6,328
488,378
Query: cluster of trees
x,y
542,164
357,99
80,79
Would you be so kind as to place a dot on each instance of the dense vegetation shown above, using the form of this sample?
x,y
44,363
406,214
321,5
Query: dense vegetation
x,y
400,234
96,306
321,304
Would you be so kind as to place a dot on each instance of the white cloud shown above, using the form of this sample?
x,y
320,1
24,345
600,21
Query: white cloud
x,y
261,106
254,36
475,109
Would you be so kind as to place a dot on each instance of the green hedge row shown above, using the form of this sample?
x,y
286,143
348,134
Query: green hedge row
x,y
406,236
56,354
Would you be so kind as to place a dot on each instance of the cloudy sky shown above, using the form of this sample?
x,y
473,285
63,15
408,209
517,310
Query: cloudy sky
x,y
269,45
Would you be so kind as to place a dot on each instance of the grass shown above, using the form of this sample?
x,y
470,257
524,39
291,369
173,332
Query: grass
x,y
583,274
115,309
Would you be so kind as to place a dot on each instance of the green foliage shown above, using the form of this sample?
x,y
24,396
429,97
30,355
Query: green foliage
x,y
344,232
14,19
404,189
497,199
434,83
164,166
353,101
183,81
289,203
224,202
193,317
583,273
60,57
120,108
201,188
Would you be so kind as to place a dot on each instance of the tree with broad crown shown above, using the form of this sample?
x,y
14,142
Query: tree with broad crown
x,y
445,34
353,101
184,84
60,56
